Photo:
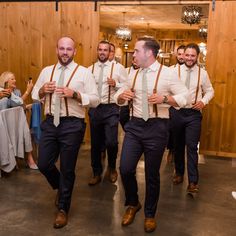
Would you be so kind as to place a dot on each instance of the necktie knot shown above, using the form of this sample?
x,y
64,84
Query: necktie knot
x,y
145,70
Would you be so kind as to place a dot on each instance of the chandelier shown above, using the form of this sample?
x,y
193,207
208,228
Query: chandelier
x,y
191,15
203,31
123,31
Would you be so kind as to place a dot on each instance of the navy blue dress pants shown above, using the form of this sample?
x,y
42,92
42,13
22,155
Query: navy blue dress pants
x,y
124,115
148,138
104,121
186,127
63,141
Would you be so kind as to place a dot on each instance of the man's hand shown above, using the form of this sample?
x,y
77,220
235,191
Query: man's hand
x,y
49,87
111,82
127,95
198,105
65,92
155,99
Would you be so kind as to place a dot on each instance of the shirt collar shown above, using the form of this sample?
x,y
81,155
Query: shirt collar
x,y
107,63
69,66
153,67
191,69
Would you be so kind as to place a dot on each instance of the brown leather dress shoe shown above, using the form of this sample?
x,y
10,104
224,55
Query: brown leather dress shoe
x,y
149,225
129,215
111,175
170,157
95,180
178,179
61,219
192,188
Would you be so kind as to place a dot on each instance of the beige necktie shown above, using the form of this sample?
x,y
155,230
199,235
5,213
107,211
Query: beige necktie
x,y
145,112
100,80
57,106
187,81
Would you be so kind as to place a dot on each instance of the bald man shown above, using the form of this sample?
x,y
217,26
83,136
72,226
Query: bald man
x,y
67,89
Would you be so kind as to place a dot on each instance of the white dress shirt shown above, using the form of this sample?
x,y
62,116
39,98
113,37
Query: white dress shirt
x,y
167,85
119,75
81,82
206,91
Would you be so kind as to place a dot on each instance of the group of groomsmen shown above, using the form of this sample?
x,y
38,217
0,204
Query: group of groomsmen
x,y
147,98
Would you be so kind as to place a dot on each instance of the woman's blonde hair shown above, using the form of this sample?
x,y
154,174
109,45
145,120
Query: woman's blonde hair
x,y
4,77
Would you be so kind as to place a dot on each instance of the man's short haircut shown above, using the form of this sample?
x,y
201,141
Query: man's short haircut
x,y
193,46
104,42
182,46
151,44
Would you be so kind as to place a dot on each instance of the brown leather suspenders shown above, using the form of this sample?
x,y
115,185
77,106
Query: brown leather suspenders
x,y
66,102
109,89
50,95
198,82
130,103
154,90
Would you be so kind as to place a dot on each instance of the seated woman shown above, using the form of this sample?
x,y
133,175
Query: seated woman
x,y
11,97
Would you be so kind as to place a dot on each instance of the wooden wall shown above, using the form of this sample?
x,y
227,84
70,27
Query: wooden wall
x,y
29,32
219,123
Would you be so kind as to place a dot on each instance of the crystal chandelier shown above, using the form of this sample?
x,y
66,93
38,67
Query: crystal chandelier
x,y
123,31
191,15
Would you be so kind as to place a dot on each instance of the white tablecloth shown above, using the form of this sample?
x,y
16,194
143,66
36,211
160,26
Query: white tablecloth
x,y
15,138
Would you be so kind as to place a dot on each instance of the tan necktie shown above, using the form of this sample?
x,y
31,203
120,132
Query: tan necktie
x,y
145,112
187,81
100,80
57,106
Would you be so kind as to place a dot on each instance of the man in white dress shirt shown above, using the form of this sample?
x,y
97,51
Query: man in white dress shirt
x,y
124,110
186,122
151,95
104,119
67,88
180,61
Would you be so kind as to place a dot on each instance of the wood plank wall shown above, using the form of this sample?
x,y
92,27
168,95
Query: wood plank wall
x,y
219,123
29,31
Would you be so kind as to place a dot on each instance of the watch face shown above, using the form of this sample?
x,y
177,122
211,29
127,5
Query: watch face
x,y
165,99
75,95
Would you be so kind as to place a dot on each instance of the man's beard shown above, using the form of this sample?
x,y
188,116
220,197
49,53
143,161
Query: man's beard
x,y
65,63
104,59
180,62
192,65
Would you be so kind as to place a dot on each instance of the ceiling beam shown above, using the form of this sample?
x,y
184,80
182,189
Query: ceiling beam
x,y
177,2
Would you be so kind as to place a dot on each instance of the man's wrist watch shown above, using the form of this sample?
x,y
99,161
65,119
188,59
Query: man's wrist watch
x,y
165,99
75,95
